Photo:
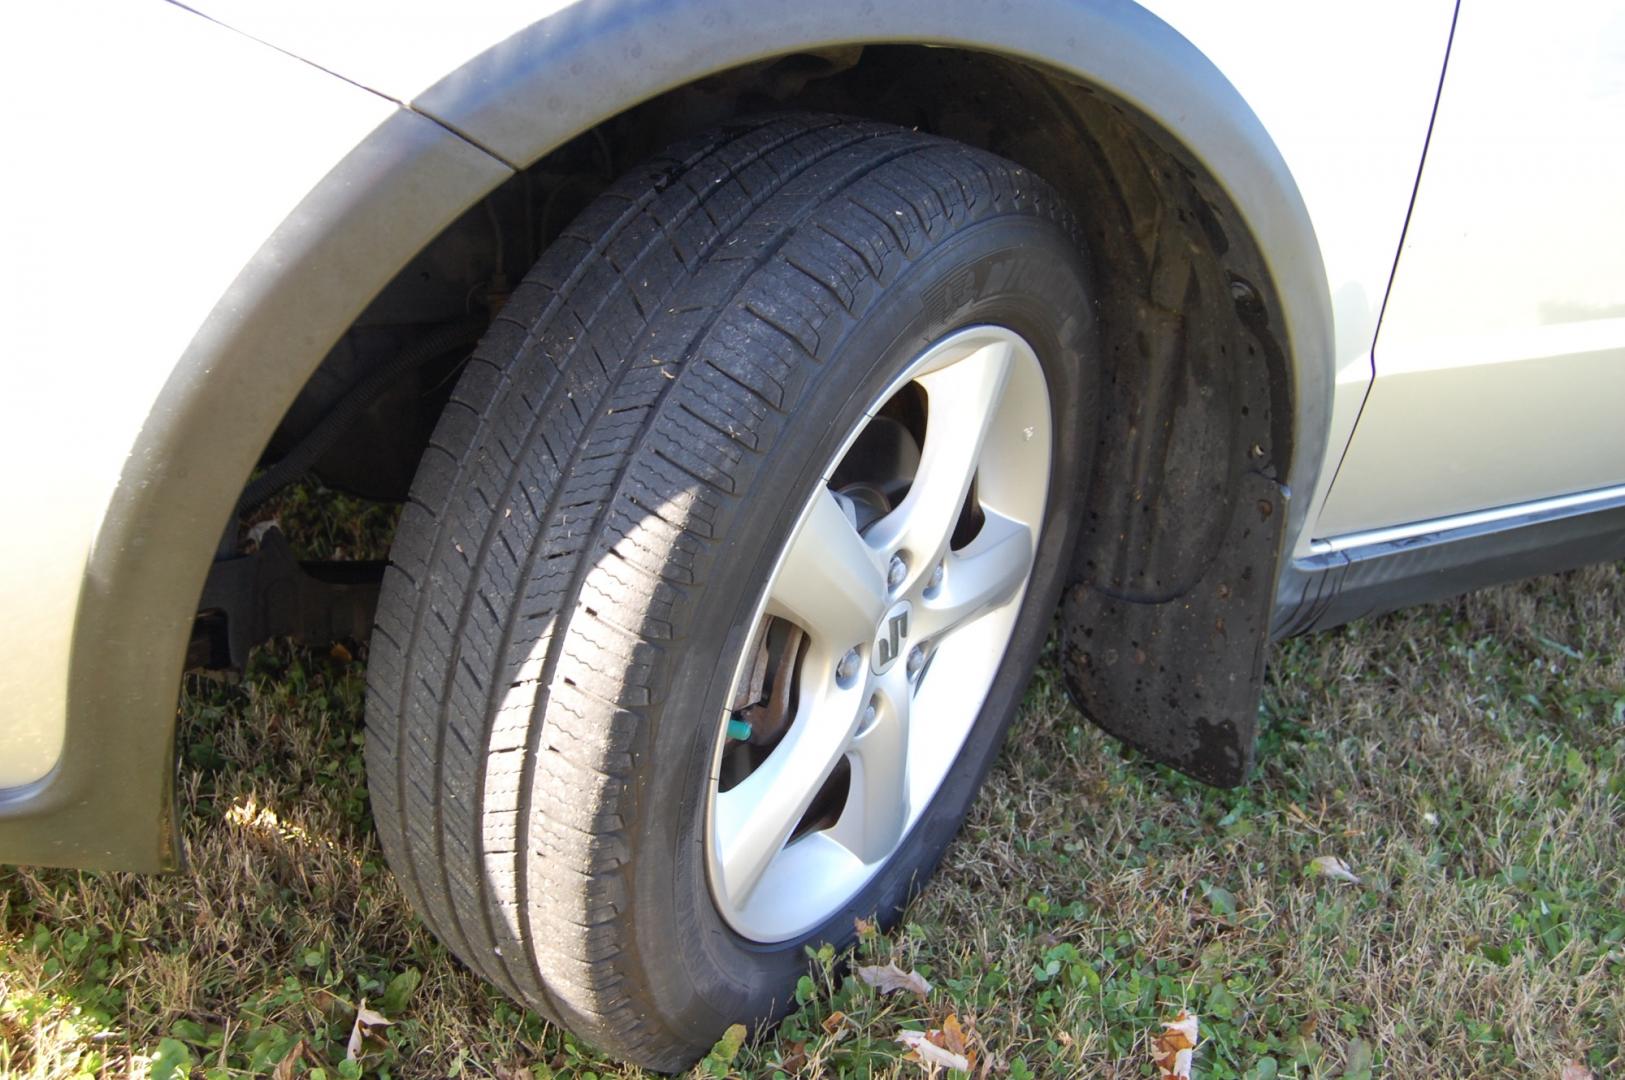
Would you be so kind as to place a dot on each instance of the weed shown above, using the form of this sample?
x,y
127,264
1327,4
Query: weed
x,y
1466,760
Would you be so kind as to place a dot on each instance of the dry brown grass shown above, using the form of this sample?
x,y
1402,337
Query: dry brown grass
x,y
1466,759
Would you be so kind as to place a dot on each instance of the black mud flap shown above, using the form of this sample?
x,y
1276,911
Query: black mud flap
x,y
1181,678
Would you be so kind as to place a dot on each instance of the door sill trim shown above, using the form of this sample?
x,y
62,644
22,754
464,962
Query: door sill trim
x,y
1526,513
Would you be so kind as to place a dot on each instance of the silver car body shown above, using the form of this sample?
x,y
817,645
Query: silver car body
x,y
212,195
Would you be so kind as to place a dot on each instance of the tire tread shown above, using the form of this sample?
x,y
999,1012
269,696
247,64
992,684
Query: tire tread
x,y
564,514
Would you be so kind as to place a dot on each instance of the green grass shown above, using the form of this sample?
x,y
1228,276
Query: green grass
x,y
1467,760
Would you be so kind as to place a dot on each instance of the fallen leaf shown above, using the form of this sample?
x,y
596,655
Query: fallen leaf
x,y
1173,1050
953,1036
795,1059
1573,1070
328,1002
284,1068
891,978
864,927
256,533
1333,867
340,653
834,1022
930,1053
368,1025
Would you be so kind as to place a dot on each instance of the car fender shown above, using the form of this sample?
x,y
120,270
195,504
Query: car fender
x,y
445,140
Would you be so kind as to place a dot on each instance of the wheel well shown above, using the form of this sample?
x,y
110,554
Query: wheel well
x,y
1191,370
1197,416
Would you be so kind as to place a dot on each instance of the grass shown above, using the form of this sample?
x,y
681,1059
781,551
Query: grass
x,y
1466,759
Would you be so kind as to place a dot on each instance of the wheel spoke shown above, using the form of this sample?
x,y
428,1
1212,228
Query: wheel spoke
x,y
832,584
877,804
962,398
982,576
755,817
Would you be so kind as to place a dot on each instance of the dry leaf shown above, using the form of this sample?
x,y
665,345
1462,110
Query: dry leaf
x,y
930,1053
328,1002
951,1047
834,1022
368,1024
284,1068
340,653
1573,1070
958,1039
1333,867
1173,1050
256,533
865,927
892,978
795,1059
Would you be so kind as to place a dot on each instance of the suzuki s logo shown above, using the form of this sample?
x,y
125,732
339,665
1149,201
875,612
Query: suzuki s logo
x,y
892,639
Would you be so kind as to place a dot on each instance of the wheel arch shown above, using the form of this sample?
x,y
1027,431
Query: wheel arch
x,y
506,109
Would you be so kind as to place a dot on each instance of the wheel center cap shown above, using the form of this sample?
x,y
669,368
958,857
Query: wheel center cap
x,y
891,640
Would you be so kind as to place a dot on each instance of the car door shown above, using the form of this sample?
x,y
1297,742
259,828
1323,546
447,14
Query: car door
x,y
1500,355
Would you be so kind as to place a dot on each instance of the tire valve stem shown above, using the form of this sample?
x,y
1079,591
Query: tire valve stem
x,y
738,730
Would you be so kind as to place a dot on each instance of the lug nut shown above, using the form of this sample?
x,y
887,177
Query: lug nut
x,y
936,577
896,572
869,714
916,660
848,666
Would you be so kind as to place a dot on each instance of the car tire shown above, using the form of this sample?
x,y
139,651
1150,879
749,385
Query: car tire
x,y
585,586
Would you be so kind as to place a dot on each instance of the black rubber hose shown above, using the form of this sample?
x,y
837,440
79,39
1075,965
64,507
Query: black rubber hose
x,y
320,439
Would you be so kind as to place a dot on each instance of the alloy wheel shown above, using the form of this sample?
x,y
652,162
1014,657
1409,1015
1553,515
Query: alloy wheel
x,y
878,633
